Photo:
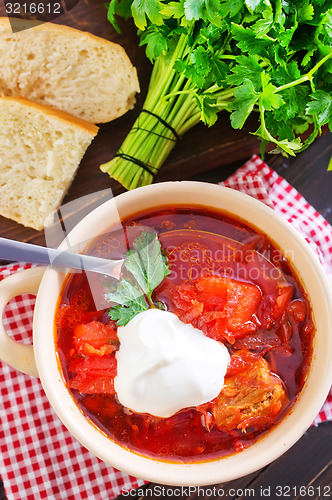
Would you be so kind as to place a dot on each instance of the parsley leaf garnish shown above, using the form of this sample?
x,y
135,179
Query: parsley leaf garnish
x,y
147,267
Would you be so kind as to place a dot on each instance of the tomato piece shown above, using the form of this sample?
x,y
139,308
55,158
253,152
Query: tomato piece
x,y
93,375
89,350
243,299
273,308
212,291
308,327
87,384
185,299
94,333
221,307
95,366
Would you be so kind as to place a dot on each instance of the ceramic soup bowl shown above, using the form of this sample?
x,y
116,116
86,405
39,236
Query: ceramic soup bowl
x,y
40,359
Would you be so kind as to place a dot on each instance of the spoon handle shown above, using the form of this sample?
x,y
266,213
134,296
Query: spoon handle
x,y
19,251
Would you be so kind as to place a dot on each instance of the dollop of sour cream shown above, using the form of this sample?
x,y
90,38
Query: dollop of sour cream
x,y
164,365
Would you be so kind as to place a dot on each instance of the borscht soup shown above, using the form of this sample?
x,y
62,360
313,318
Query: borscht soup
x,y
200,348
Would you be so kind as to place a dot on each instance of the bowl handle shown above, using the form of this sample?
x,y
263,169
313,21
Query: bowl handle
x,y
15,354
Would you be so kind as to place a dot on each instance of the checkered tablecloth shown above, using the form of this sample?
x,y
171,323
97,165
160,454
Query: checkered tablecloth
x,y
39,459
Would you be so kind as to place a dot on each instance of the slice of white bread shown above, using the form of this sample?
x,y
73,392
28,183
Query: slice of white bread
x,y
67,69
40,150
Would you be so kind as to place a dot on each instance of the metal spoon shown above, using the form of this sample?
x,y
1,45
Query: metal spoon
x,y
26,252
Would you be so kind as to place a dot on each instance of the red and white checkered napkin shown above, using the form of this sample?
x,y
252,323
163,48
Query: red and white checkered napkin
x,y
39,459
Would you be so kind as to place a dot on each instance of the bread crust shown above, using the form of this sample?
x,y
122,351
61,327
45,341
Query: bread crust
x,y
52,112
58,28
68,69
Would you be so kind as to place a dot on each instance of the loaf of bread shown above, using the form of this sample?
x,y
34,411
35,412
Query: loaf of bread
x,y
67,69
40,150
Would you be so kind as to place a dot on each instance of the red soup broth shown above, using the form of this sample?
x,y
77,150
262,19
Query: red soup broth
x,y
197,242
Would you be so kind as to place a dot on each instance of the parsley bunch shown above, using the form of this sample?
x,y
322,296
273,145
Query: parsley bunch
x,y
272,57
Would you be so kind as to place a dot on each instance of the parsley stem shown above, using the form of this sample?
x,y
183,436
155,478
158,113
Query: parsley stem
x,y
171,99
303,79
307,77
319,64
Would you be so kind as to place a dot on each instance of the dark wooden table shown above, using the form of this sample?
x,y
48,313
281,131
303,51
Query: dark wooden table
x,y
209,155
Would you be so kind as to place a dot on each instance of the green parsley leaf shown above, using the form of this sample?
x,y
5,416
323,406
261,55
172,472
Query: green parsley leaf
x,y
245,99
305,13
247,67
130,300
288,147
194,9
321,107
122,315
148,268
329,167
213,11
190,72
120,8
231,7
143,9
146,262
248,40
156,44
285,37
257,5
325,28
202,9
263,25
173,9
207,105
219,68
201,60
300,125
269,99
126,292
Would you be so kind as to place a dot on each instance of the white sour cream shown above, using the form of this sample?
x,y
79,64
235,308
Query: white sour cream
x,y
164,365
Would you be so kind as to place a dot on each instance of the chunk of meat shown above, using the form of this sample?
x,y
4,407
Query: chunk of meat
x,y
298,309
252,395
222,308
263,341
272,309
